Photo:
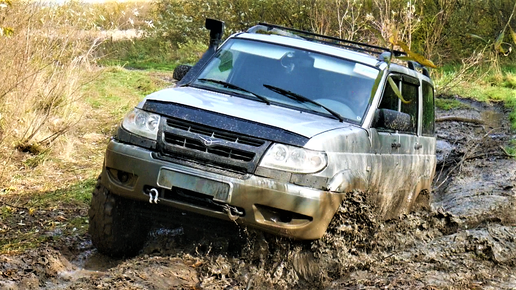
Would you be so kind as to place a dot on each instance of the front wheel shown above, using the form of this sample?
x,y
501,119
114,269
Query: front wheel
x,y
115,229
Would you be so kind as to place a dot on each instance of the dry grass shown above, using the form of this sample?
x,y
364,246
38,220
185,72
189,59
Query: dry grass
x,y
42,67
54,123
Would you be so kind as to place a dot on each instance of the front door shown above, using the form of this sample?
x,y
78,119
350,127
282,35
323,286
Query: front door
x,y
397,170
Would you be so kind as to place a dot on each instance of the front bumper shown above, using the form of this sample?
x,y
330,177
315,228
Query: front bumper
x,y
280,208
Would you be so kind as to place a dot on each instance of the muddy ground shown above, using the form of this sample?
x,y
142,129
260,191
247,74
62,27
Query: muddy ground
x,y
465,239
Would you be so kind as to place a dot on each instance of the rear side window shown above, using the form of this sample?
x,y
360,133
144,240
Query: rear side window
x,y
409,91
428,110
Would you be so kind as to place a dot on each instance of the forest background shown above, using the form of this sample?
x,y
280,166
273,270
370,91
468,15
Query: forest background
x,y
70,71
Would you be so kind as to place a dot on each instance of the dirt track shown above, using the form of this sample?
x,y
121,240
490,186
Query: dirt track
x,y
466,239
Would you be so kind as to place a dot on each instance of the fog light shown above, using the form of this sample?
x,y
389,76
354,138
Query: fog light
x,y
122,177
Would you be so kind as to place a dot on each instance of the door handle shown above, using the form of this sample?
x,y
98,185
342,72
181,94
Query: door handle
x,y
418,146
396,145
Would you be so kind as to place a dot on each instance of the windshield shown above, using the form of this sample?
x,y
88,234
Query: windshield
x,y
319,82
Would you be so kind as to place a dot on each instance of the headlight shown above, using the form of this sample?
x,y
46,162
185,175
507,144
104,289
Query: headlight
x,y
142,123
294,159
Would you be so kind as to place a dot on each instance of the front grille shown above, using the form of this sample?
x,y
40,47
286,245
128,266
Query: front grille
x,y
211,146
198,145
219,134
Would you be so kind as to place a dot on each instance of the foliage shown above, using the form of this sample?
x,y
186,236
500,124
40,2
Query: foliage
x,y
97,16
150,53
511,149
438,30
510,102
483,84
182,21
36,105
341,18
58,108
452,76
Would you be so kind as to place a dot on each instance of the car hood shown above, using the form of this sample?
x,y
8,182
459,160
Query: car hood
x,y
302,123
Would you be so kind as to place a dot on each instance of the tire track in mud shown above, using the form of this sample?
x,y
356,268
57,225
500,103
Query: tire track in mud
x,y
464,238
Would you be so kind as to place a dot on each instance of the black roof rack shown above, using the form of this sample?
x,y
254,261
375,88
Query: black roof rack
x,y
353,45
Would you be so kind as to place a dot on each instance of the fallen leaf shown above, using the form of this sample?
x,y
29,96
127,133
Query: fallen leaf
x,y
61,218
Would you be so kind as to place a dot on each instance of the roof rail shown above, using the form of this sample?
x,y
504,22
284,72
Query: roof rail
x,y
353,45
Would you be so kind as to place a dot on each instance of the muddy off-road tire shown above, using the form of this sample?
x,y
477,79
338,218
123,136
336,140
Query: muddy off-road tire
x,y
115,229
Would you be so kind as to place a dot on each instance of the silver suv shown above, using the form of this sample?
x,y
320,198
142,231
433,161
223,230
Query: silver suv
x,y
269,130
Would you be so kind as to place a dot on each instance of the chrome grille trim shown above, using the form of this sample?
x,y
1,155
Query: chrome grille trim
x,y
212,146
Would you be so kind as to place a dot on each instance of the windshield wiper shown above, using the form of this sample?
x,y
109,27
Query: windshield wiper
x,y
235,87
301,98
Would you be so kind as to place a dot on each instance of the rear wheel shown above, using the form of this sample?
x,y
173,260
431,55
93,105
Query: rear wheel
x,y
115,229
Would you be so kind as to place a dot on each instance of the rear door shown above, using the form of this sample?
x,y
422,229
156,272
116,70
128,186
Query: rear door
x,y
427,137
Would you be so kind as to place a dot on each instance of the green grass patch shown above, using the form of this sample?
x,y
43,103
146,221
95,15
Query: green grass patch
x,y
140,53
113,92
22,242
77,194
449,104
511,148
149,53
117,84
5,212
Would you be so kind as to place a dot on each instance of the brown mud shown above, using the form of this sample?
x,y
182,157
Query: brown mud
x,y
465,238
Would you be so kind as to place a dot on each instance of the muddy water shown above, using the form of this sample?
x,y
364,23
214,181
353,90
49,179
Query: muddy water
x,y
464,239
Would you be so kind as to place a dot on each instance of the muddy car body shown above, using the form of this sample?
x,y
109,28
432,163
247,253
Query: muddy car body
x,y
269,129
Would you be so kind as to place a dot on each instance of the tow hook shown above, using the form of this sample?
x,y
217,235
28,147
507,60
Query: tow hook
x,y
233,212
153,199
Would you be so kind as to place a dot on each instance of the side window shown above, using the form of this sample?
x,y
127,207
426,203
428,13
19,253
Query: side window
x,y
409,91
409,88
428,110
390,100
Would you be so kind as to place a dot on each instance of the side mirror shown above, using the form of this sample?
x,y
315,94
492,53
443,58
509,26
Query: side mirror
x,y
180,71
393,120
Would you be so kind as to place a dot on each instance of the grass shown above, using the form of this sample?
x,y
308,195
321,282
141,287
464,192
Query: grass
x,y
30,219
118,85
47,194
78,194
511,148
449,104
47,200
147,54
116,90
150,54
484,84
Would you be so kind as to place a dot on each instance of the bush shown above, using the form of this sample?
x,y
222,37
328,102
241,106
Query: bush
x,y
40,69
182,21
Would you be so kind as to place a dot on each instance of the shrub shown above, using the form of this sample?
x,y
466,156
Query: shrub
x,y
40,71
182,21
